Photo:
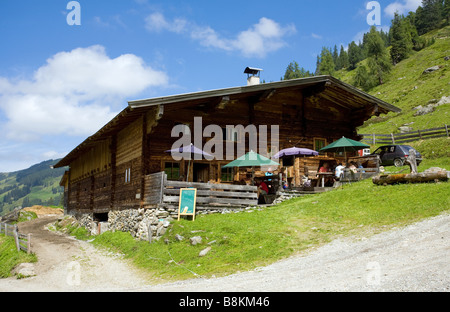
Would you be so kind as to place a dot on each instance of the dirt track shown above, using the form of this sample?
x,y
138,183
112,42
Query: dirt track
x,y
66,264
413,258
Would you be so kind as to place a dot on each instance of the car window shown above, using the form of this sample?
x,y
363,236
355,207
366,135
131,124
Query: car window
x,y
391,149
406,149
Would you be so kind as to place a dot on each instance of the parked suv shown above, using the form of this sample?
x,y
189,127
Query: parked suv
x,y
395,155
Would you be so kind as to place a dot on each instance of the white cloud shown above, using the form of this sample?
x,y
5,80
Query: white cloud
x,y
316,36
402,7
264,37
73,93
157,22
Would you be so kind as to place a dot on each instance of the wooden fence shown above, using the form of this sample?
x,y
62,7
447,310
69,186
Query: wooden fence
x,y
166,193
407,137
23,242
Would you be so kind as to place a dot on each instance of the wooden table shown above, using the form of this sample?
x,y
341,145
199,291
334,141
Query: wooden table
x,y
322,176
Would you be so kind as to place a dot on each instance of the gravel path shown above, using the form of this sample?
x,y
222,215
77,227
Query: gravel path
x,y
412,258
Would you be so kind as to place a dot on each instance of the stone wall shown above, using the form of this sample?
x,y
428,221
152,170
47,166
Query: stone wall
x,y
140,222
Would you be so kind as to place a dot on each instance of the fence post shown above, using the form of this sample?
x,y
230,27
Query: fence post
x,y
373,139
446,130
420,134
29,244
393,139
16,237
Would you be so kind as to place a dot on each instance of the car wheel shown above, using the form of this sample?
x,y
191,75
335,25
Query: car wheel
x,y
398,162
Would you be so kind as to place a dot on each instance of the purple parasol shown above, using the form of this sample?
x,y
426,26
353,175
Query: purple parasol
x,y
189,150
295,151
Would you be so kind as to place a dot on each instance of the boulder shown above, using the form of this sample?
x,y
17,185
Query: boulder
x,y
405,129
423,110
431,69
204,252
196,240
443,100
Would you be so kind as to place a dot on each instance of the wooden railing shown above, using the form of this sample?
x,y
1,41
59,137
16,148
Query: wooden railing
x,y
160,191
23,242
406,137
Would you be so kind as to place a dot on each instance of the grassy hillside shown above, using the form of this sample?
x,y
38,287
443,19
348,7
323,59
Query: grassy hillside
x,y
407,87
36,185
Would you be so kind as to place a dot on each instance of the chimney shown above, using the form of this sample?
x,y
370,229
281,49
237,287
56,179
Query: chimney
x,y
253,76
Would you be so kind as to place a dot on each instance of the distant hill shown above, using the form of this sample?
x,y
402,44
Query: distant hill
x,y
37,185
408,87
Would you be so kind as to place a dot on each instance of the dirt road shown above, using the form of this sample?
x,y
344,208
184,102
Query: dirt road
x,y
66,264
412,258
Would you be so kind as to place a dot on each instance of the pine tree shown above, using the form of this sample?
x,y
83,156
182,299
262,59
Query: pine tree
x,y
354,55
343,58
363,79
327,66
400,39
293,71
446,11
429,16
336,58
379,60
317,73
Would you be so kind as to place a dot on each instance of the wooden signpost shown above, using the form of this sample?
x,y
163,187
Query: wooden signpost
x,y
188,197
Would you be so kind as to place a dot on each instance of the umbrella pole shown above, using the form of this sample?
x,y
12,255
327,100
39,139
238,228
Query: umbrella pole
x,y
189,167
253,175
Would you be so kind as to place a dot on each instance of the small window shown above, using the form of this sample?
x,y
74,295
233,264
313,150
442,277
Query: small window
x,y
172,170
227,175
319,143
128,175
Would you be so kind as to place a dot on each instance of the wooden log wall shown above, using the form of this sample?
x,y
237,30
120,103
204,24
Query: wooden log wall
x,y
97,178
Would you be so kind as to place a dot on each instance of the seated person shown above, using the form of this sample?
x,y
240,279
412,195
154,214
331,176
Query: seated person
x,y
325,168
352,167
328,181
269,173
339,171
262,187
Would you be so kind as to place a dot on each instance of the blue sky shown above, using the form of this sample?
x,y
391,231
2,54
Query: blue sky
x,y
60,83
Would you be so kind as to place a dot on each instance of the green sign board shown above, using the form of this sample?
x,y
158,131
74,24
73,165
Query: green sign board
x,y
188,197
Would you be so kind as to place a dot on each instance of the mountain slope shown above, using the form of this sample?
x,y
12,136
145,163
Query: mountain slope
x,y
36,185
408,87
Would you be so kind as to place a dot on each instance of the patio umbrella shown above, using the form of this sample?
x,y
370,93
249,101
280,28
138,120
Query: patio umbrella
x,y
190,151
295,151
251,159
344,145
